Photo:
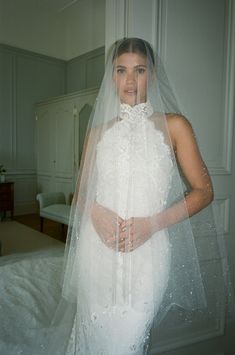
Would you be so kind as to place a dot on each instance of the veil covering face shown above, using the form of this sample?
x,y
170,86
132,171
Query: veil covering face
x,y
129,173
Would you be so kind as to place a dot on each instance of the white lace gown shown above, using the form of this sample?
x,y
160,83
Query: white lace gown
x,y
116,305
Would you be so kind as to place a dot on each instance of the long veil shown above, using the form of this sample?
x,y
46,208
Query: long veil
x,y
129,172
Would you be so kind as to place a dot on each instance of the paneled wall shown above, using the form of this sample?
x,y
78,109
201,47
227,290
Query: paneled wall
x,y
85,71
26,78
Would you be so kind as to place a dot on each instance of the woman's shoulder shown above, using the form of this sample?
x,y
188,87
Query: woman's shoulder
x,y
180,129
177,121
178,125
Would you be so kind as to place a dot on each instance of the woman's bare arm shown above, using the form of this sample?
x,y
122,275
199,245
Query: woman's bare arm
x,y
194,170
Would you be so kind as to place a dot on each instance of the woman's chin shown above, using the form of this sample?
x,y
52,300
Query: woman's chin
x,y
132,101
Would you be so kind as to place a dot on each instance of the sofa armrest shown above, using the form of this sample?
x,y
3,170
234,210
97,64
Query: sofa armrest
x,y
50,198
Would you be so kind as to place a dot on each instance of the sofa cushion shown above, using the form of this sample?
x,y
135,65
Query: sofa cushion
x,y
58,212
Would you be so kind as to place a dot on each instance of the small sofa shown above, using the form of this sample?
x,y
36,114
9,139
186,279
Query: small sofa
x,y
52,205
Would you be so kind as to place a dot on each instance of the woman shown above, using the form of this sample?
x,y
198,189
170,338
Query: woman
x,y
130,253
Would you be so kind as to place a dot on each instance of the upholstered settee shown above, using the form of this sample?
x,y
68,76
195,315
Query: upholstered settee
x,y
52,205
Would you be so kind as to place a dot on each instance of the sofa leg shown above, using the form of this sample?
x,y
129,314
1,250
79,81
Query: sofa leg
x,y
62,230
41,224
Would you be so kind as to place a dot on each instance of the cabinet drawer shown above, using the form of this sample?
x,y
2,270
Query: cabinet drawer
x,y
6,205
5,196
5,188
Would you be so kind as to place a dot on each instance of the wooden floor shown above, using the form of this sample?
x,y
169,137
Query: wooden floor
x,y
51,228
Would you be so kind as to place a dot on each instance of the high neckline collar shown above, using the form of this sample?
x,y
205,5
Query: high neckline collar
x,y
136,113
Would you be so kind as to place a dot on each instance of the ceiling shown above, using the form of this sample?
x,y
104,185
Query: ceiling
x,y
57,5
48,5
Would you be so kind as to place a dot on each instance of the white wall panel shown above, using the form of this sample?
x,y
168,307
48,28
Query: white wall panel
x,y
7,112
195,45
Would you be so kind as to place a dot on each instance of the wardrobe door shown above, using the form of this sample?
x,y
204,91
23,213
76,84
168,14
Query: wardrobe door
x,y
61,128
64,132
55,147
84,103
45,148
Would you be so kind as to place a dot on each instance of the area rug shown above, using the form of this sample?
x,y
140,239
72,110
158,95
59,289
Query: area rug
x,y
18,238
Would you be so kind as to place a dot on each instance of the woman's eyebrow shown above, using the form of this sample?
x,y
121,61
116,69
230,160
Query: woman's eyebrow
x,y
136,66
140,65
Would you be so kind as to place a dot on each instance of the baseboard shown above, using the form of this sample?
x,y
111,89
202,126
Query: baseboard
x,y
26,208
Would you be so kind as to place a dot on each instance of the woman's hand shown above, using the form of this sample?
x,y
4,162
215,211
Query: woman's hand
x,y
107,224
134,232
119,234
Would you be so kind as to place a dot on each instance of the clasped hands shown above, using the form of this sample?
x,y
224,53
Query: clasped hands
x,y
117,233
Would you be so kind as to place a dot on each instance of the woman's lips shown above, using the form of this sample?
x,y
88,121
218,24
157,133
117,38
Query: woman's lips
x,y
131,92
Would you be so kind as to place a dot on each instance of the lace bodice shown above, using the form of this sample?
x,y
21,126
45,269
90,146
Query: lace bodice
x,y
134,164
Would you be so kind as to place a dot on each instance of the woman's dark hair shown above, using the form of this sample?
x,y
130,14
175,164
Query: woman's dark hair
x,y
134,45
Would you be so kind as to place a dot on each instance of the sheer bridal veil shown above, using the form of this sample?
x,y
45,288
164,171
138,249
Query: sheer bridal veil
x,y
129,174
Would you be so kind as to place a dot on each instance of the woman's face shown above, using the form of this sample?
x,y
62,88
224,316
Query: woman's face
x,y
130,78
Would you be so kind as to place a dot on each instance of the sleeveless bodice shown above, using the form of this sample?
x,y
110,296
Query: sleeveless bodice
x,y
134,164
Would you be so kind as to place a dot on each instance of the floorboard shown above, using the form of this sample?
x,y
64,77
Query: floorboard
x,y
51,228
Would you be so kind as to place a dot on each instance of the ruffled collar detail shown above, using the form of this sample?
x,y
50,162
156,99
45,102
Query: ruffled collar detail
x,y
137,113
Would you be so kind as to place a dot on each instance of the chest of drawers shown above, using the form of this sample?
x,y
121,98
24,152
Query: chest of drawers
x,y
7,198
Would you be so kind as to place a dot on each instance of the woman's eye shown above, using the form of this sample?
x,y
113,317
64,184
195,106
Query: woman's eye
x,y
140,70
120,71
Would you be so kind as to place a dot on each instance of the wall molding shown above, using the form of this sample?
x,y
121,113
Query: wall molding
x,y
183,341
223,167
14,111
89,55
28,53
160,28
73,95
20,172
229,71
25,208
223,203
117,15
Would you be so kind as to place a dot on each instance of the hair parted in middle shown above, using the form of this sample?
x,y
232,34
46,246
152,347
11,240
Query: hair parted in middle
x,y
133,45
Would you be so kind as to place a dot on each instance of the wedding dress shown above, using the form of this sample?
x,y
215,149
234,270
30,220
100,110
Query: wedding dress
x,y
123,328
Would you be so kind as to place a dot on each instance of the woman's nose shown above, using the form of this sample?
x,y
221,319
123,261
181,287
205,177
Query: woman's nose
x,y
130,77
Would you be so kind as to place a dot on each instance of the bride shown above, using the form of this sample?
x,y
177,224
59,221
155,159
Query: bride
x,y
130,253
